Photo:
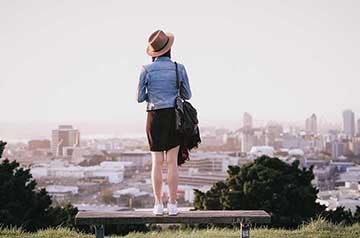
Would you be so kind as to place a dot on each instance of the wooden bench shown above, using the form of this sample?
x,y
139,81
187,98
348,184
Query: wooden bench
x,y
243,217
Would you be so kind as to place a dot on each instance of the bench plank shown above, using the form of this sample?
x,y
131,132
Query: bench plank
x,y
146,217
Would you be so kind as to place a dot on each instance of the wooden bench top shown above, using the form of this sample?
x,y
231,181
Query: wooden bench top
x,y
146,217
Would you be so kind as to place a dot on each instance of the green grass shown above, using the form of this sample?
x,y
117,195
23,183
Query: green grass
x,y
315,229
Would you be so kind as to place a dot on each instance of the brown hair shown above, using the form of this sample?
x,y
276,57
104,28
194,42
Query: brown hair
x,y
167,53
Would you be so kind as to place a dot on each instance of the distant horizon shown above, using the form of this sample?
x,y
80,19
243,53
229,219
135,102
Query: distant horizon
x,y
14,131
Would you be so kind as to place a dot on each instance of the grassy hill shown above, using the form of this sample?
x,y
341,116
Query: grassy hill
x,y
315,229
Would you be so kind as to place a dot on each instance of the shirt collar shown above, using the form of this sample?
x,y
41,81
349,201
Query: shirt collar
x,y
163,58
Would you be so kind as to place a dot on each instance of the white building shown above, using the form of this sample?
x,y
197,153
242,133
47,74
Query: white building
x,y
342,197
60,192
188,191
53,189
100,208
134,192
257,151
210,162
113,171
296,152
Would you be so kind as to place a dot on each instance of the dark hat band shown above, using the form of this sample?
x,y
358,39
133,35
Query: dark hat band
x,y
167,41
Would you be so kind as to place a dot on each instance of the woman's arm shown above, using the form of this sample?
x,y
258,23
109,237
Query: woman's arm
x,y
185,86
141,92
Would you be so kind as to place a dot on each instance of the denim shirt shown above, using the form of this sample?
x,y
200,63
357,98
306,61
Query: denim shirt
x,y
157,84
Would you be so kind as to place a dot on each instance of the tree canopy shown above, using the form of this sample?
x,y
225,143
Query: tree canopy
x,y
22,205
284,190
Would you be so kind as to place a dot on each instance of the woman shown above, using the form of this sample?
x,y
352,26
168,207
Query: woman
x,y
157,86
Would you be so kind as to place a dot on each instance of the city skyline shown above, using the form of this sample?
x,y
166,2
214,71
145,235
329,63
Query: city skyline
x,y
78,61
28,131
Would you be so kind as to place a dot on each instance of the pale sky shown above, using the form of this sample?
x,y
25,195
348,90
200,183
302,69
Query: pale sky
x,y
69,61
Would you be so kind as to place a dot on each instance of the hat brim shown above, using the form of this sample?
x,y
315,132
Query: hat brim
x,y
163,50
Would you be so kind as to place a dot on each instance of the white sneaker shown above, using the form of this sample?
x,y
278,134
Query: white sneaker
x,y
158,209
172,209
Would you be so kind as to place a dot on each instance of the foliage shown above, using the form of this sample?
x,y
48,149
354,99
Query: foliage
x,y
63,216
269,184
342,216
2,147
357,214
21,205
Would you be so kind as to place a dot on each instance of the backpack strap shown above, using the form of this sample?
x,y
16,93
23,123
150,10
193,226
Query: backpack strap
x,y
178,83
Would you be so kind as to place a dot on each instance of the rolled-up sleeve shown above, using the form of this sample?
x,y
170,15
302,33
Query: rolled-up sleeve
x,y
141,91
185,85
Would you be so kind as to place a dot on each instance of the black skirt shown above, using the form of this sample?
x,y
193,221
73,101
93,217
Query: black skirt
x,y
160,129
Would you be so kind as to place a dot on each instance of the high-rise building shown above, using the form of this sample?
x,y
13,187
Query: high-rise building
x,y
349,123
311,124
358,127
63,139
247,141
247,120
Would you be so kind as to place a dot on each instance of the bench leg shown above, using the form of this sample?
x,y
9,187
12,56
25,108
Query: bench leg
x,y
99,231
245,230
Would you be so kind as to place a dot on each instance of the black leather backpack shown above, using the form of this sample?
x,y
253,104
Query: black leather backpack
x,y
186,124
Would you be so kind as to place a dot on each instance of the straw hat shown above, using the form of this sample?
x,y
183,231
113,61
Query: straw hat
x,y
159,43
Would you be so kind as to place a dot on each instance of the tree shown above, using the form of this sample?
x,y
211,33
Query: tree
x,y
21,205
212,199
341,216
2,147
269,184
63,216
357,214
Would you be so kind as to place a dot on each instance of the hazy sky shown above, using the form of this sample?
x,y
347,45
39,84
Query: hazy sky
x,y
69,61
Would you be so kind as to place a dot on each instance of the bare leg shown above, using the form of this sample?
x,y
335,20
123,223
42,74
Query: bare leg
x,y
173,175
156,175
